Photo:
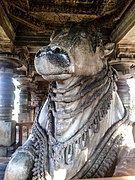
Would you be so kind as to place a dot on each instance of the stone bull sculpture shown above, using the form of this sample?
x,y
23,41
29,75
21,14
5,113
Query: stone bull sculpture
x,y
82,129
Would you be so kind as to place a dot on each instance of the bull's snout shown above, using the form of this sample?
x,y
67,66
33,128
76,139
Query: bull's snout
x,y
55,55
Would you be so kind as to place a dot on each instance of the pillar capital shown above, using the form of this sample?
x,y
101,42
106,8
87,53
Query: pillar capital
x,y
124,66
9,62
24,55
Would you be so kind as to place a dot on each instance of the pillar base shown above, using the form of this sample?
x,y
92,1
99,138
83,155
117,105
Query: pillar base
x,y
7,132
7,151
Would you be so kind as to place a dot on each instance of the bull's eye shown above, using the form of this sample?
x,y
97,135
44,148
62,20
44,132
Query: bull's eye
x,y
83,34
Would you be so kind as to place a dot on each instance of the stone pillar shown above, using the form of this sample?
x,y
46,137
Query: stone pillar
x,y
24,100
38,94
123,68
35,102
123,91
8,64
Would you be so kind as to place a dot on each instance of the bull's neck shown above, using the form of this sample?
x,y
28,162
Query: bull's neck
x,y
73,102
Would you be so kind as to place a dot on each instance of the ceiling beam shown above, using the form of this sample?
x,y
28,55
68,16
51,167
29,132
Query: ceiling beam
x,y
32,41
25,22
6,25
126,23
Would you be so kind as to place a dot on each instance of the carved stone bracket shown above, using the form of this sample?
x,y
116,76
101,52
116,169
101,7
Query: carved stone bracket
x,y
124,66
6,46
24,56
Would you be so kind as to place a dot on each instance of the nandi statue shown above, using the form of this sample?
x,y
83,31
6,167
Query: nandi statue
x,y
82,130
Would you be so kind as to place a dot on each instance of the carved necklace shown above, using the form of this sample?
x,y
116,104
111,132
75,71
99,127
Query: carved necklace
x,y
52,153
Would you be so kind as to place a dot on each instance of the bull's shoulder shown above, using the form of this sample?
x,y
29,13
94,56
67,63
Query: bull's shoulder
x,y
126,162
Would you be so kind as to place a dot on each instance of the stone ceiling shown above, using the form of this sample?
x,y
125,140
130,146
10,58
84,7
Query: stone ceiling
x,y
40,17
29,23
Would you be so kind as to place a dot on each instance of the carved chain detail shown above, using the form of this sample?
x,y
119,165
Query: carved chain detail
x,y
106,153
41,149
92,92
66,152
83,134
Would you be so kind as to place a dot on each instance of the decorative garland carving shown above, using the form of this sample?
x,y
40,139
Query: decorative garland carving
x,y
45,141
106,152
41,149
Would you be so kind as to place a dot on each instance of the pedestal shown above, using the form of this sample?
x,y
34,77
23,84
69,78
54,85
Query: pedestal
x,y
8,64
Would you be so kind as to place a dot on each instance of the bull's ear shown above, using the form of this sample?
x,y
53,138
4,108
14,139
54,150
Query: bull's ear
x,y
109,49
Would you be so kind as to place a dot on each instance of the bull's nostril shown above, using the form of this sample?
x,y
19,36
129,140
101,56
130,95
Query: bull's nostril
x,y
57,50
38,53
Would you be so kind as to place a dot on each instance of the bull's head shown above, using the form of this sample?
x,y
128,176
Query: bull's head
x,y
75,51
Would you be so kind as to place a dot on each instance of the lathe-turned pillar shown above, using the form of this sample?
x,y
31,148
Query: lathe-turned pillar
x,y
38,94
8,63
123,91
24,100
35,101
124,72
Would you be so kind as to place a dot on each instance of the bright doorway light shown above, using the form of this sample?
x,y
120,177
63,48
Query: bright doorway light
x,y
16,101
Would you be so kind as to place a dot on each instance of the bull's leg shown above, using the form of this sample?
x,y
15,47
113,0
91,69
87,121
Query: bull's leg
x,y
21,164
126,162
126,157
